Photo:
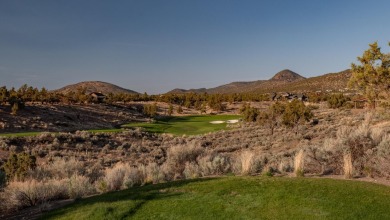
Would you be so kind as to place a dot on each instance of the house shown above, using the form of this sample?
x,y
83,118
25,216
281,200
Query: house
x,y
289,97
97,97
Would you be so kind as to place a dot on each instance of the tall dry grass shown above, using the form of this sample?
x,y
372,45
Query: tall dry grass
x,y
177,157
348,165
299,163
247,163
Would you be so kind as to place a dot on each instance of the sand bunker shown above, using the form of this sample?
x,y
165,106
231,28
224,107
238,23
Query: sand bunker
x,y
217,122
228,121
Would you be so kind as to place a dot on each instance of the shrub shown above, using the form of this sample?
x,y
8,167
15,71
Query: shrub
x,y
3,180
247,163
356,148
337,100
179,110
101,186
317,159
18,165
214,165
272,117
64,168
381,162
95,172
32,192
133,177
79,186
249,114
299,163
114,176
180,154
191,170
150,110
348,166
153,173
296,113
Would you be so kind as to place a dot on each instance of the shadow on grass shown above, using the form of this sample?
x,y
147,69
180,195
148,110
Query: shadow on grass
x,y
139,195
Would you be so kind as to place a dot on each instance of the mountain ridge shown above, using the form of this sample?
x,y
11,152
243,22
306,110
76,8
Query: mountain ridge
x,y
285,80
95,86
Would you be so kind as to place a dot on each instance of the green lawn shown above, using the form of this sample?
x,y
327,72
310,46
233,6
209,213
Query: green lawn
x,y
238,198
20,134
189,125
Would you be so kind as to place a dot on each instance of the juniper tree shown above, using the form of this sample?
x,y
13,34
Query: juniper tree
x,y
372,75
272,117
18,165
170,109
296,113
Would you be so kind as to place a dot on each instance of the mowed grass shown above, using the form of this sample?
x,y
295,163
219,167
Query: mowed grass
x,y
20,134
189,125
238,198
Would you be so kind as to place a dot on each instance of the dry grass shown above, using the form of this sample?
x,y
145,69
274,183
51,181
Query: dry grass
x,y
299,163
348,166
247,163
180,154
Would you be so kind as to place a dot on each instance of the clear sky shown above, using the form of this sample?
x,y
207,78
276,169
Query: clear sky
x,y
154,46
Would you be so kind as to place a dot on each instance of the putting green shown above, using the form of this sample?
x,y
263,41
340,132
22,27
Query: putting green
x,y
189,125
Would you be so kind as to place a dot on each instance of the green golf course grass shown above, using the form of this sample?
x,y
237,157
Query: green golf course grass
x,y
189,125
238,198
20,134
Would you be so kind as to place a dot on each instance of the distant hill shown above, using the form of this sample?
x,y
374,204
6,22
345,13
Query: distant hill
x,y
283,81
330,81
96,86
287,76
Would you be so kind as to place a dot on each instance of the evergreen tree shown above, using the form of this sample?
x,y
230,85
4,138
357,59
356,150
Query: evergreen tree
x,y
18,165
296,113
179,110
372,75
170,109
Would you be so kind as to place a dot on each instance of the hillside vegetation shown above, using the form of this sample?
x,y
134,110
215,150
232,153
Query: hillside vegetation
x,y
283,81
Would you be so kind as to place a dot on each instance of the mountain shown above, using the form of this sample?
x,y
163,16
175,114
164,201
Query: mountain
x,y
330,81
287,76
95,86
285,80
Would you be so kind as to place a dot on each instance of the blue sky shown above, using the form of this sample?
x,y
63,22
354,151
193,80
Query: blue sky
x,y
154,46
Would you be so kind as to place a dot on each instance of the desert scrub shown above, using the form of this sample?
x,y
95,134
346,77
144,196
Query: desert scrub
x,y
214,164
180,154
32,192
247,162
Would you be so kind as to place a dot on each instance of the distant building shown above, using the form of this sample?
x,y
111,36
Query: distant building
x,y
97,97
289,97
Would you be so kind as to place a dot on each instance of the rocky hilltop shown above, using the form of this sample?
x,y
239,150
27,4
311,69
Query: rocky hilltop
x,y
95,86
287,76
